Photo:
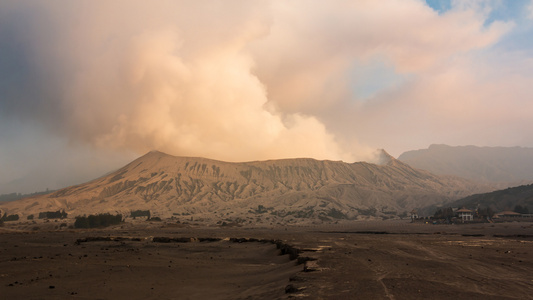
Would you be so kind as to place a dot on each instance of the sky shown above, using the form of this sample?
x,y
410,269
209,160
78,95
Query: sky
x,y
88,86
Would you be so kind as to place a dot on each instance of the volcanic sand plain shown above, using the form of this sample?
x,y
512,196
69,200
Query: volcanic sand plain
x,y
349,260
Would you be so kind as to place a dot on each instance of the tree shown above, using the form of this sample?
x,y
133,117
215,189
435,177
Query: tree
x,y
486,213
521,209
140,213
7,217
100,220
60,214
446,213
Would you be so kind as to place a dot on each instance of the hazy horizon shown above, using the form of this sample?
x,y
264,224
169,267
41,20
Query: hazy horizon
x,y
87,87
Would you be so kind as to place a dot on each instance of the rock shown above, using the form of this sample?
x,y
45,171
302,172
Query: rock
x,y
290,289
310,266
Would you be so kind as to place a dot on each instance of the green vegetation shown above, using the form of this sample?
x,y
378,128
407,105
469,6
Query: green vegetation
x,y
485,213
140,213
444,213
520,197
53,214
336,214
367,212
7,218
95,221
305,213
261,209
521,209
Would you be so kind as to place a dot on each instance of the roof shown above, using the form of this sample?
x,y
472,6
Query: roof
x,y
464,210
508,213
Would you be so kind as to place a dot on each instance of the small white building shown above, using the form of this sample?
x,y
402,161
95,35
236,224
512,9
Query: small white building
x,y
465,214
414,215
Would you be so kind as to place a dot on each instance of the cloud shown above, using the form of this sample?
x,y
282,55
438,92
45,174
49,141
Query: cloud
x,y
408,35
130,75
242,80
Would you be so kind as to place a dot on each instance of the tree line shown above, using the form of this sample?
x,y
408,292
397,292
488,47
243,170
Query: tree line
x,y
99,220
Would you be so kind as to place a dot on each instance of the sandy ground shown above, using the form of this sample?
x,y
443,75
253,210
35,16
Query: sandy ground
x,y
360,260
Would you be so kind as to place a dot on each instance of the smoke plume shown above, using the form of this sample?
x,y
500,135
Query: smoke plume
x,y
230,80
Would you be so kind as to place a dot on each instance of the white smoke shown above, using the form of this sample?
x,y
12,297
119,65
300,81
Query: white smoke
x,y
230,80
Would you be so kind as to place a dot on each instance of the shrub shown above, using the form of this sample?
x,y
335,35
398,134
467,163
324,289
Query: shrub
x,y
521,209
100,220
53,214
446,213
337,214
30,217
140,213
7,218
367,212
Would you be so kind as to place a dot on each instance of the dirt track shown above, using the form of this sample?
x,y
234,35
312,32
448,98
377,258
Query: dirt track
x,y
385,260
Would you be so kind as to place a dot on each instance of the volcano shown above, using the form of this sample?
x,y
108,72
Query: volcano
x,y
281,191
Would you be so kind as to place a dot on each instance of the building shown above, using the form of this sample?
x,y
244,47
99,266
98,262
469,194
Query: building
x,y
465,214
414,215
508,214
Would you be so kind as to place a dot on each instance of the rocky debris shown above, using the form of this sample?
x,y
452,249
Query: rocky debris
x,y
310,266
513,235
287,249
106,239
304,259
309,263
173,240
209,239
284,248
290,289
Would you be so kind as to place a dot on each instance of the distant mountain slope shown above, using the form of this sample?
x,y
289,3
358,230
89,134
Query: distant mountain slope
x,y
288,189
509,166
500,200
16,196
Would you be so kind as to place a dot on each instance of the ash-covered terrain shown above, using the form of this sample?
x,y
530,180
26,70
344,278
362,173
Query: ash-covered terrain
x,y
361,260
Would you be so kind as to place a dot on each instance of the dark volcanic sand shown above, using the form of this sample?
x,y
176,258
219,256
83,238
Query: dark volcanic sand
x,y
378,260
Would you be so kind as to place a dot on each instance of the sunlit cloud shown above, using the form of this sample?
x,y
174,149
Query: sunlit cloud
x,y
243,80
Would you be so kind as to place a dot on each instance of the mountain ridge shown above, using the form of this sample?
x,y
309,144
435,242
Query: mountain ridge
x,y
501,166
288,189
500,200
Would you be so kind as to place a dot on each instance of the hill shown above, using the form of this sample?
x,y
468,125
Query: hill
x,y
16,196
287,190
501,200
505,166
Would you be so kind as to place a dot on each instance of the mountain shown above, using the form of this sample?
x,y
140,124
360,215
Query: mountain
x,y
501,200
286,190
497,165
16,196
